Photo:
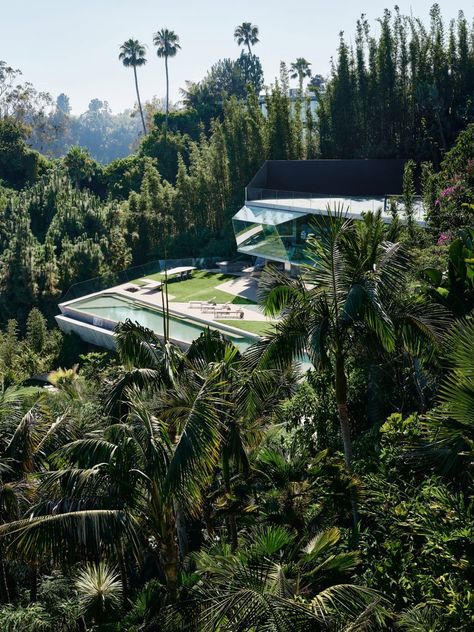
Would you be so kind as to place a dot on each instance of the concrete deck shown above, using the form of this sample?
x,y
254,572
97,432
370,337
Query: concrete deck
x,y
249,314
245,286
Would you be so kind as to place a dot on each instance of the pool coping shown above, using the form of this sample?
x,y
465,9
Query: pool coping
x,y
67,309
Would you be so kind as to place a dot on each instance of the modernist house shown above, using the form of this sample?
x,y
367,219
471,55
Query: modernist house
x,y
294,98
285,198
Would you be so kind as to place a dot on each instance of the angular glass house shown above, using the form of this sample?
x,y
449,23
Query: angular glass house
x,y
285,198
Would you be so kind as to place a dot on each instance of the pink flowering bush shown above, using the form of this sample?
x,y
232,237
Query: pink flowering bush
x,y
443,239
452,205
449,194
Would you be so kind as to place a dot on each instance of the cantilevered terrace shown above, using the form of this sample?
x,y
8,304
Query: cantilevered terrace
x,y
285,198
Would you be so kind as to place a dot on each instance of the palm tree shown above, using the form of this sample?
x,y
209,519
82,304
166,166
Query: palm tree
x,y
299,70
277,582
449,428
79,164
132,53
127,485
295,476
167,45
348,291
246,34
29,434
250,399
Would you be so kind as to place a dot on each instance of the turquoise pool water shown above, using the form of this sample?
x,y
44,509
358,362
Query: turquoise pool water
x,y
118,309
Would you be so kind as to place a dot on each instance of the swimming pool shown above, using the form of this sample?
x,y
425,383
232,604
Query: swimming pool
x,y
107,310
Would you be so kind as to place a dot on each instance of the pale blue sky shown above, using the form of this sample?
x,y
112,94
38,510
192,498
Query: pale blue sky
x,y
71,46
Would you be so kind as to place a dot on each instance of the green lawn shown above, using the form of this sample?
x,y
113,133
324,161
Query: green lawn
x,y
253,326
201,287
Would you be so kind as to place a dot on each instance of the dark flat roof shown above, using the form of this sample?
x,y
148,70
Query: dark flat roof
x,y
371,178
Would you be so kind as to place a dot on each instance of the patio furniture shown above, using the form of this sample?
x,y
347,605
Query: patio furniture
x,y
195,304
208,308
229,313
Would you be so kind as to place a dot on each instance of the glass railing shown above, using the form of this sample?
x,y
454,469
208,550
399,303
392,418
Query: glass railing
x,y
312,201
130,274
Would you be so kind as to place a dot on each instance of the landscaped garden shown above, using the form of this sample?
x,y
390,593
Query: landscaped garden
x,y
201,287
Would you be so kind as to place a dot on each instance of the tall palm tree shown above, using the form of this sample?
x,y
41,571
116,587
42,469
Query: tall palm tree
x,y
123,484
127,485
167,45
246,34
300,69
348,291
132,53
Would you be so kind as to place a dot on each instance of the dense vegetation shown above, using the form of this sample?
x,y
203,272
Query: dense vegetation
x,y
407,93
211,490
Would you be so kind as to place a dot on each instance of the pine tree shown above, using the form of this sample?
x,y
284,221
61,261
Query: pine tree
x,y
36,330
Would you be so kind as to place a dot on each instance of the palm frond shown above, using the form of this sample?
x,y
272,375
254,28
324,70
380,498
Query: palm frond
x,y
195,411
63,537
282,347
347,599
321,542
421,619
138,346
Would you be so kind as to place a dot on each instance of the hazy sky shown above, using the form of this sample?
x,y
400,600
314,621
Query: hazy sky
x,y
72,46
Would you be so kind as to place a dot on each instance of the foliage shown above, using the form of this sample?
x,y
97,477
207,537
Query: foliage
x,y
19,165
454,286
204,489
226,78
276,583
50,128
99,590
449,429
36,353
450,199
354,280
403,93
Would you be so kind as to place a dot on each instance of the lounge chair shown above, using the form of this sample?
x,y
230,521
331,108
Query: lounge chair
x,y
229,313
198,304
208,307
195,304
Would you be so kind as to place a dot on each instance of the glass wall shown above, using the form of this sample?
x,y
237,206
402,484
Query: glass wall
x,y
272,234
